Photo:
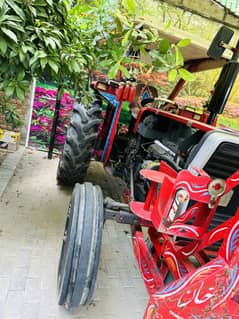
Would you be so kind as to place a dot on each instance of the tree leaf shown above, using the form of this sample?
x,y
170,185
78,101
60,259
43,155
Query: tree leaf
x,y
53,66
124,71
10,34
119,25
130,6
16,9
179,60
9,91
4,7
14,25
33,10
124,20
38,55
164,45
3,46
20,93
76,66
24,85
172,75
126,38
113,71
4,68
170,58
157,59
11,18
13,54
186,75
22,55
43,62
52,43
21,75
183,43
26,48
49,2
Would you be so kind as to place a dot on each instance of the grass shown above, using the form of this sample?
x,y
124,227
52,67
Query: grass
x,y
228,122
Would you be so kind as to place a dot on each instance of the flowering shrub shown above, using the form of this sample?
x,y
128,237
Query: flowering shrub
x,y
191,101
42,117
232,111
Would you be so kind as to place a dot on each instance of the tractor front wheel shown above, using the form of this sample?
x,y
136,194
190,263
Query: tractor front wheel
x,y
81,246
79,144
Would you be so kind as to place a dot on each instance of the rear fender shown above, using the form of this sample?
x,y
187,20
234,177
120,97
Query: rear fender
x,y
208,292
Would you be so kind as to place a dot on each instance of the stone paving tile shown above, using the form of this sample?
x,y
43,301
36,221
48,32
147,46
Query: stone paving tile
x,y
32,217
8,167
14,304
18,279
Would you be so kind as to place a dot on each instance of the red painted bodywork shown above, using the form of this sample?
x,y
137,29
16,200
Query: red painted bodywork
x,y
205,282
179,118
126,92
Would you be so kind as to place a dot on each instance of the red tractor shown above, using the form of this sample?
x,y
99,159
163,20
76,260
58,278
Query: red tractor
x,y
183,177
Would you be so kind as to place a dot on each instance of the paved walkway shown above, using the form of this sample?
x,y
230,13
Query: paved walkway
x,y
32,217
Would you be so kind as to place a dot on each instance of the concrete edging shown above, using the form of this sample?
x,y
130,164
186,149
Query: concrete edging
x,y
8,167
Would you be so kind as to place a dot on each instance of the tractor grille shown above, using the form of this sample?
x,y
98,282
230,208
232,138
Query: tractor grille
x,y
224,161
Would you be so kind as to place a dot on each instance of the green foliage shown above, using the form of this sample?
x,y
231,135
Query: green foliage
x,y
68,42
183,43
130,6
32,35
186,75
112,36
168,58
164,46
11,113
96,49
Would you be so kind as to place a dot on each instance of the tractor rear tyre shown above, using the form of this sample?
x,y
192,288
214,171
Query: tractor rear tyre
x,y
79,144
81,246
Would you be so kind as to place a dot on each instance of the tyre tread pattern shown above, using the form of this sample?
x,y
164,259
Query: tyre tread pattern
x,y
79,144
79,261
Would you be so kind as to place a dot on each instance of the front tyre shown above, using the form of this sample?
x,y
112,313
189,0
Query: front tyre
x,y
81,246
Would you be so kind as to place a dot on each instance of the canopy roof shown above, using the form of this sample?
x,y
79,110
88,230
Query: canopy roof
x,y
231,5
220,11
224,12
195,52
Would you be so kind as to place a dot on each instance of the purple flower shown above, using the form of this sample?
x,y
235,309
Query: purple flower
x,y
43,119
40,90
60,139
36,128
